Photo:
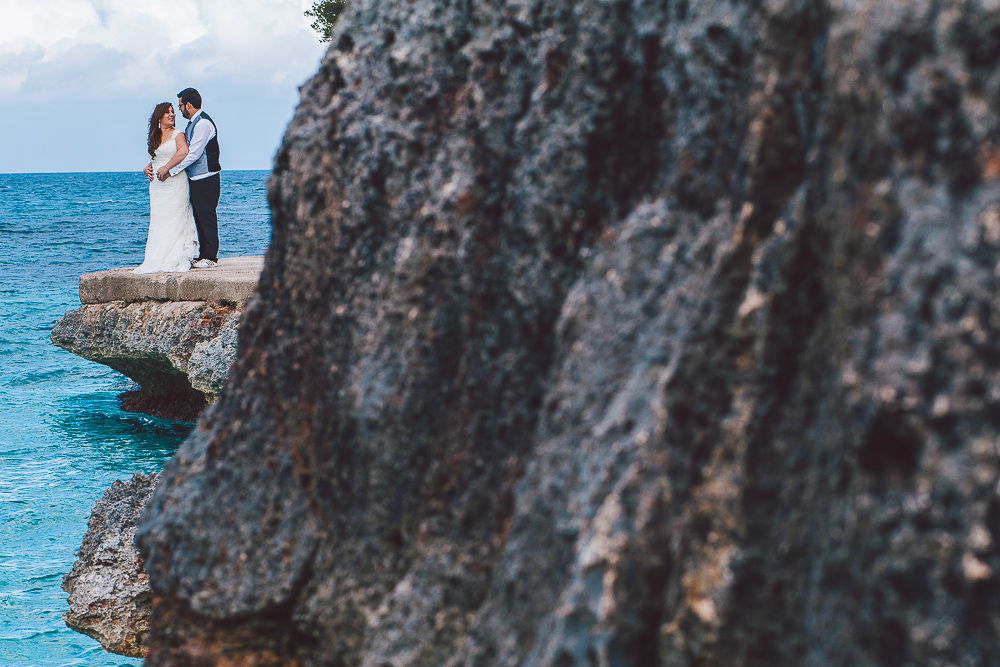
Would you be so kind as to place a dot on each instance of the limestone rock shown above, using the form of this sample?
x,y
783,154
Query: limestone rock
x,y
170,348
109,594
231,281
612,333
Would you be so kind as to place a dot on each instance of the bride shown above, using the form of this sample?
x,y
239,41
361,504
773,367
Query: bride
x,y
172,241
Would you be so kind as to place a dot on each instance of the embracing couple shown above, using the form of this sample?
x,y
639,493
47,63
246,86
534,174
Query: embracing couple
x,y
184,187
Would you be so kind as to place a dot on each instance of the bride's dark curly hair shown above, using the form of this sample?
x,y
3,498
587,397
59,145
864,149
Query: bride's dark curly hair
x,y
155,133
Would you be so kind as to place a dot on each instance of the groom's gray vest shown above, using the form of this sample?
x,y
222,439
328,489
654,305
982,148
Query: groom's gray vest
x,y
208,162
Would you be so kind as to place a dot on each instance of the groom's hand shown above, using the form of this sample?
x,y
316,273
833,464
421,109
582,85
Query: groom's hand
x,y
148,170
163,174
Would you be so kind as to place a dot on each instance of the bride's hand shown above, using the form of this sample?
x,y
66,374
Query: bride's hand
x,y
163,174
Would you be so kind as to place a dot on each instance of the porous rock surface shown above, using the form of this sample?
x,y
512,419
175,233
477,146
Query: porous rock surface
x,y
172,349
231,280
612,333
109,595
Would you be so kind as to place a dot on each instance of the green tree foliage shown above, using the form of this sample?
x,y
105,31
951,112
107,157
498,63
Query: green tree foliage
x,y
326,13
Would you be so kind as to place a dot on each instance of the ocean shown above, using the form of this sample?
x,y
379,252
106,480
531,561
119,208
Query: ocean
x,y
63,437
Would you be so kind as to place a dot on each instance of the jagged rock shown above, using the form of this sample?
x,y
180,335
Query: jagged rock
x,y
612,333
177,351
109,595
175,334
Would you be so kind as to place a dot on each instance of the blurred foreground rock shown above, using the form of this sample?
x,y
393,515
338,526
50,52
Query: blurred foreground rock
x,y
109,595
612,333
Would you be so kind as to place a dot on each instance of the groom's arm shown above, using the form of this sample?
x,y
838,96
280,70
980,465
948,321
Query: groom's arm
x,y
203,133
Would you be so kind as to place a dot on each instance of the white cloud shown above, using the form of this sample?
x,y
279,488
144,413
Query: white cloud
x,y
76,50
59,58
42,24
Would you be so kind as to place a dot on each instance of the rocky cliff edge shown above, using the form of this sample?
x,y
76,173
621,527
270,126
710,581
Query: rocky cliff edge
x,y
175,335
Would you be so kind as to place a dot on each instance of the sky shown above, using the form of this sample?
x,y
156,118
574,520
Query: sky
x,y
79,78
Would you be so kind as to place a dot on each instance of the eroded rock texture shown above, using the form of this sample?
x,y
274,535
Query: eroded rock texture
x,y
109,595
612,333
179,352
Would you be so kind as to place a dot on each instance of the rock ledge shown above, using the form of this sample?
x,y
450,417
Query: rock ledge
x,y
232,281
174,334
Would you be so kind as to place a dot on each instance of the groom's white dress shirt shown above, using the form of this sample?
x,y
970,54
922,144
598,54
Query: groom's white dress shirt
x,y
203,133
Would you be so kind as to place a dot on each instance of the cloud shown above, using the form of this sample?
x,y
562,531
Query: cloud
x,y
113,60
89,50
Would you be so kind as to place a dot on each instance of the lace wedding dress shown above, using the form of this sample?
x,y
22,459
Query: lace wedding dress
x,y
172,241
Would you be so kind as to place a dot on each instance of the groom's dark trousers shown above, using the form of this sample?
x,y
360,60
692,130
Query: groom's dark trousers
x,y
205,200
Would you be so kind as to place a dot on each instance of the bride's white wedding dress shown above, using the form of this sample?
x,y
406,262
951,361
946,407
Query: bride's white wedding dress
x,y
172,241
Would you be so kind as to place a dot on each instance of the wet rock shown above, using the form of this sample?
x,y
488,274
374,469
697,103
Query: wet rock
x,y
183,407
612,334
179,352
109,594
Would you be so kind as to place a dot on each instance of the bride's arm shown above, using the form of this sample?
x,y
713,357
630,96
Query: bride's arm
x,y
182,151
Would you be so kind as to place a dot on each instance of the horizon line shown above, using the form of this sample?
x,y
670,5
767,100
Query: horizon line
x,y
126,171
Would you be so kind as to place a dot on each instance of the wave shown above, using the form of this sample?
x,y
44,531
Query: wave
x,y
63,436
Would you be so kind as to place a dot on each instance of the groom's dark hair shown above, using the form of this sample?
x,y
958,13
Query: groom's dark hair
x,y
190,96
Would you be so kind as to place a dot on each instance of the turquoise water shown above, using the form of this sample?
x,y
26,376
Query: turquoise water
x,y
63,438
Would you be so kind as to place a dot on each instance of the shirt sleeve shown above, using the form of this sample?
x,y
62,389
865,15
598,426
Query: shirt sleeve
x,y
203,133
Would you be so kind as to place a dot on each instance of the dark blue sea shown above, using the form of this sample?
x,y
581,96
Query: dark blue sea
x,y
63,438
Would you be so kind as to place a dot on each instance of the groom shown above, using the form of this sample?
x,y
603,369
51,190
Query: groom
x,y
202,165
